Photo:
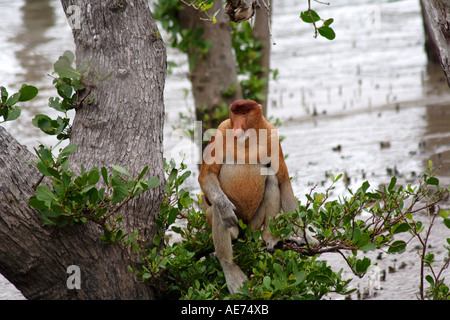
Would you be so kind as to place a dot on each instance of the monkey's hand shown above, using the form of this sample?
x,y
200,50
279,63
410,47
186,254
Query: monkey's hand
x,y
226,209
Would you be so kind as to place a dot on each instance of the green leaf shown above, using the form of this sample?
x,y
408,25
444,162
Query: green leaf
x,y
56,104
399,228
104,175
361,266
173,174
77,85
12,100
141,175
429,258
365,186
447,223
299,277
42,122
398,246
392,183
4,94
46,220
43,193
305,16
53,172
50,214
146,276
173,213
122,170
328,22
278,269
363,239
433,181
37,204
70,56
266,282
70,149
119,194
430,280
94,176
13,114
27,92
66,179
153,182
322,278
368,247
87,189
326,32
45,154
156,240
64,69
335,179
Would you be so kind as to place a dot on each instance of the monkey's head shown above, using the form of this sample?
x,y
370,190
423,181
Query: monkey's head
x,y
244,115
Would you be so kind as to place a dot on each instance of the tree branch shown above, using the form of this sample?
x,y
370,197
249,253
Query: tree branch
x,y
437,27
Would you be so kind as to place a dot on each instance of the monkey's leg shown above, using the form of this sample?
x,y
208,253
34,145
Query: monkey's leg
x,y
270,206
222,237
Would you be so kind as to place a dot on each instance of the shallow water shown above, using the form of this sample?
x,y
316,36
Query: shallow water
x,y
365,104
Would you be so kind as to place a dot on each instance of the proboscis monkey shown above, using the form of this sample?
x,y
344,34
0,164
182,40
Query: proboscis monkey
x,y
244,176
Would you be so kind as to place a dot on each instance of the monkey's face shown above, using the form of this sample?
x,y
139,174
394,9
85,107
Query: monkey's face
x,y
240,126
244,115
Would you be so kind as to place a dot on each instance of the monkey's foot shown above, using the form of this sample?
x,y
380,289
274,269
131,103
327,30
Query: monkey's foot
x,y
300,240
270,241
234,276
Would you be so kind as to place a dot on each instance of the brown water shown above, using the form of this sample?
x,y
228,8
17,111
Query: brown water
x,y
366,104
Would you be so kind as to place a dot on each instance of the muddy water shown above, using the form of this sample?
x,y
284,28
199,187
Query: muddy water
x,y
365,105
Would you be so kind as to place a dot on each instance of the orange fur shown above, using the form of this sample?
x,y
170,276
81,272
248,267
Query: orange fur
x,y
243,184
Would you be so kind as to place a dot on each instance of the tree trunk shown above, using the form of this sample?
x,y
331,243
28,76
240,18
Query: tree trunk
x,y
123,126
213,75
261,32
436,20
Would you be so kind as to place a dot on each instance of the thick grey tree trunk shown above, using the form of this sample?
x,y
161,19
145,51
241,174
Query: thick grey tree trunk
x,y
123,126
436,20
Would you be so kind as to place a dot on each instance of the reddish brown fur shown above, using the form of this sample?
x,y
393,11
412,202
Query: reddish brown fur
x,y
240,190
245,191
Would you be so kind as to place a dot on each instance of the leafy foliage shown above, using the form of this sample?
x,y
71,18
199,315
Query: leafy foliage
x,y
73,89
72,198
9,110
365,221
186,40
311,16
62,197
248,52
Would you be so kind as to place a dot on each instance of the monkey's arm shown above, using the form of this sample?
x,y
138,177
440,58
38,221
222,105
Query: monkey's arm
x,y
288,200
209,180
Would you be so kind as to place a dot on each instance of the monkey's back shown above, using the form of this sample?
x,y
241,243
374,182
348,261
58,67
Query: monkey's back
x,y
244,185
